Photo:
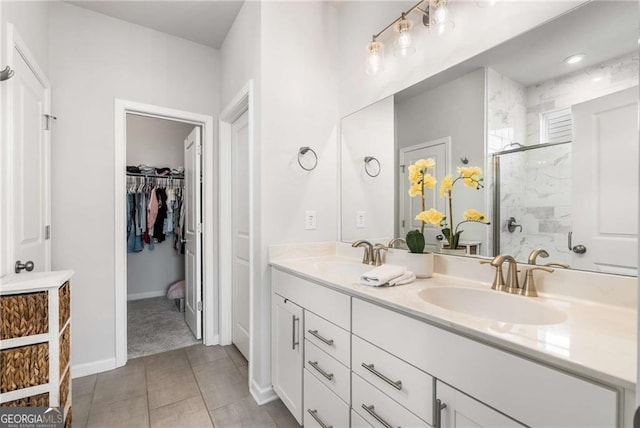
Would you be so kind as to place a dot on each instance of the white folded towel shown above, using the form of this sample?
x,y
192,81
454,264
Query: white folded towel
x,y
404,279
381,275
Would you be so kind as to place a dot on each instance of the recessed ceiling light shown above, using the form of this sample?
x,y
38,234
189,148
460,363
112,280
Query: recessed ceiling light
x,y
596,79
573,59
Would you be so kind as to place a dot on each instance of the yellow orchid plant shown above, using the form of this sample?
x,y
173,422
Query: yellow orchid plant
x,y
419,178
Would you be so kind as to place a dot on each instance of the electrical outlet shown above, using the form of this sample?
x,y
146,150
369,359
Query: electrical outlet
x,y
310,220
360,219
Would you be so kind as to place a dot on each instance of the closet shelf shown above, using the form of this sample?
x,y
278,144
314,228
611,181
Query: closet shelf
x,y
136,174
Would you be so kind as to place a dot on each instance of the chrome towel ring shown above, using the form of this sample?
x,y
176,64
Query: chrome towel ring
x,y
301,155
372,171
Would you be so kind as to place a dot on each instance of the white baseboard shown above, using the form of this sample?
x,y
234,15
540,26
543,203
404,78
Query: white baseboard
x,y
215,340
146,295
87,369
262,395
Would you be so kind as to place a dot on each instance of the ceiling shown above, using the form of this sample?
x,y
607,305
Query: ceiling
x,y
204,22
602,30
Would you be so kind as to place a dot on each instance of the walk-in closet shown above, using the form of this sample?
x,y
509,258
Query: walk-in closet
x,y
157,194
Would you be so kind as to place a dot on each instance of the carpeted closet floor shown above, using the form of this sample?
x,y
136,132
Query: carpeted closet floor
x,y
155,325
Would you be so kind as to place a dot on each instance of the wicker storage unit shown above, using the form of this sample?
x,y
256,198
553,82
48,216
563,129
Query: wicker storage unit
x,y
35,351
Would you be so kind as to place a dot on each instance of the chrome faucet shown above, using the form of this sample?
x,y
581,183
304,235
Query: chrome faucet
x,y
534,254
512,283
367,258
377,256
394,241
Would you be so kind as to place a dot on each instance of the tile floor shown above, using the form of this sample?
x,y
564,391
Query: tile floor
x,y
194,387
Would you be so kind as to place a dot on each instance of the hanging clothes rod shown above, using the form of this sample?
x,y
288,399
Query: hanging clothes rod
x,y
173,177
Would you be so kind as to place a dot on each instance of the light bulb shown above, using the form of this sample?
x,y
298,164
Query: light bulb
x,y
375,58
442,18
403,46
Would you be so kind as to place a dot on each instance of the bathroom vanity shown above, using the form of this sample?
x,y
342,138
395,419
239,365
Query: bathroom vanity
x,y
344,354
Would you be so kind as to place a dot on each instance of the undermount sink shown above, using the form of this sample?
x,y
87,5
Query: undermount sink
x,y
493,305
342,268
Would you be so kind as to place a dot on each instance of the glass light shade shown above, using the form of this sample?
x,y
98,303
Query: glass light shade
x,y
375,58
403,41
442,18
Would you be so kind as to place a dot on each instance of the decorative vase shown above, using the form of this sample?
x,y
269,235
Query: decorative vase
x,y
420,263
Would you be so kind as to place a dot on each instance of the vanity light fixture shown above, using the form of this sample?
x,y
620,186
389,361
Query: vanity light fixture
x,y
574,59
435,14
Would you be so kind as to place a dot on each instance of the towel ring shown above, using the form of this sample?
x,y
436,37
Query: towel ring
x,y
368,160
303,151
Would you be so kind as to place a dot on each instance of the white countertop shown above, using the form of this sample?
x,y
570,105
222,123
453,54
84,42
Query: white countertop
x,y
33,281
597,340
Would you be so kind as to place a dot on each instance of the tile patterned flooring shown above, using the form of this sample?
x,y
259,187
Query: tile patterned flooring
x,y
199,386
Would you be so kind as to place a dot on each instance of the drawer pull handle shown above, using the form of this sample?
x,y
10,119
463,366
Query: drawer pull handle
x,y
294,342
371,410
397,384
314,414
315,365
315,334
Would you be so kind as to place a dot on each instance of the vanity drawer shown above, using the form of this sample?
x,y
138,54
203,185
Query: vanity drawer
x,y
375,407
358,421
507,382
318,362
332,339
321,403
401,381
329,304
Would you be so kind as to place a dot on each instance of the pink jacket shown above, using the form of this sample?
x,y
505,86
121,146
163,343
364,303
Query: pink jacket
x,y
152,210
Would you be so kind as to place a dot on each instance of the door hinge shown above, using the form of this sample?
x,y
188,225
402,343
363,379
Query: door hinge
x,y
199,149
47,121
199,228
402,168
199,305
47,232
402,223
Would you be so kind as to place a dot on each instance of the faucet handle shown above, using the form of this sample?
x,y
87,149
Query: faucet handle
x,y
377,257
498,280
367,258
529,286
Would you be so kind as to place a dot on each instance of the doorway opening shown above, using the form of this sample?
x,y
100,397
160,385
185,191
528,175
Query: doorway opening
x,y
166,261
159,317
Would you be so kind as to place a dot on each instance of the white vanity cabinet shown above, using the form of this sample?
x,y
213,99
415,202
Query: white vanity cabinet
x,y
287,319
528,392
313,321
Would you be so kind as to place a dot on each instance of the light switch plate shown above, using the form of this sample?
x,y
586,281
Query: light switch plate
x,y
310,220
360,219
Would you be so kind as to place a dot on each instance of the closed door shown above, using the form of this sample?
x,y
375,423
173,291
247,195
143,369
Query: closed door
x,y
410,207
193,233
30,166
605,184
241,238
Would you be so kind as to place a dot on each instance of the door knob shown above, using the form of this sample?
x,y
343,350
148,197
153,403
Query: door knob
x,y
579,249
28,266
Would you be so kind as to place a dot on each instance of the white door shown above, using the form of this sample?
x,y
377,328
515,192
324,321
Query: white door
x,y
192,235
462,411
241,238
287,363
30,166
438,150
605,183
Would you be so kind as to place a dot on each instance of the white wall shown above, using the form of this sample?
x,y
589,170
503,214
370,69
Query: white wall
x,y
31,21
93,60
477,29
160,143
156,142
368,132
455,109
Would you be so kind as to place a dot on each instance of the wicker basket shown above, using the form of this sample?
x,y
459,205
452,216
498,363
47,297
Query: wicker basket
x,y
24,315
40,400
24,366
64,298
64,390
65,349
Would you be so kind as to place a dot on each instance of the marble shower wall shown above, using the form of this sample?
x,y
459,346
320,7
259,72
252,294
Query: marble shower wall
x,y
583,85
506,112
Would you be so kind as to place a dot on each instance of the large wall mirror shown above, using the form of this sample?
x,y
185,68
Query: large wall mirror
x,y
551,118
